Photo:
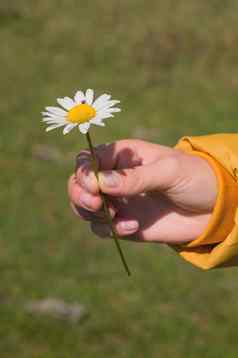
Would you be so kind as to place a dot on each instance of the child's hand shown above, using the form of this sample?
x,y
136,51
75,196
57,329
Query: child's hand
x,y
156,193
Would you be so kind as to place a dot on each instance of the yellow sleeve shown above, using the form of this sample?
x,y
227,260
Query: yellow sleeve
x,y
218,245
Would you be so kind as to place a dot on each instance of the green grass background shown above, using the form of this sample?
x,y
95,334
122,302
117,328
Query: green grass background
x,y
173,64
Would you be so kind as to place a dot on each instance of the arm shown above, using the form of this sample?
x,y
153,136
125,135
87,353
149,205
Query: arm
x,y
218,244
184,197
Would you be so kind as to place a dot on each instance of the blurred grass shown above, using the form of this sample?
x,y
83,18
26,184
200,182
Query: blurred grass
x,y
174,66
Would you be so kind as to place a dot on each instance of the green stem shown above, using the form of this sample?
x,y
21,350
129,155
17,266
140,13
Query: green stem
x,y
105,206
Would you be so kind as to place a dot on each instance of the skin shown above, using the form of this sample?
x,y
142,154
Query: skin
x,y
155,193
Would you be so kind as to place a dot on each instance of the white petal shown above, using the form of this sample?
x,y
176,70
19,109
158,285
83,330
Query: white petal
x,y
113,110
54,119
103,98
105,115
66,102
95,120
107,104
50,128
89,96
47,114
98,121
79,97
51,115
54,123
103,112
48,120
56,110
84,127
68,128
101,124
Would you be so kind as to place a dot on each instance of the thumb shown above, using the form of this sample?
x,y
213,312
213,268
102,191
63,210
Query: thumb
x,y
160,175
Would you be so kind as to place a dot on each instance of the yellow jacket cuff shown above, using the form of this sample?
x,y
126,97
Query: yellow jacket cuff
x,y
218,245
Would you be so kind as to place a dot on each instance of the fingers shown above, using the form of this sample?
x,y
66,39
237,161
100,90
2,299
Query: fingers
x,y
86,206
160,175
84,174
125,153
127,168
92,211
122,154
119,155
87,215
126,227
122,227
81,198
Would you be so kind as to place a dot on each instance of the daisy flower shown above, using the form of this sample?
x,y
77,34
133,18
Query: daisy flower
x,y
81,112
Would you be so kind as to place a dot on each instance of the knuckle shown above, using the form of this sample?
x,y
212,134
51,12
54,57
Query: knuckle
x,y
102,148
124,142
102,152
131,182
81,159
130,142
136,182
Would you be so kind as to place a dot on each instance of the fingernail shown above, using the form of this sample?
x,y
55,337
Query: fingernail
x,y
129,225
86,200
110,179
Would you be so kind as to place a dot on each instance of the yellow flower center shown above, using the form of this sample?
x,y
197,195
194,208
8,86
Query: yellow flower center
x,y
81,113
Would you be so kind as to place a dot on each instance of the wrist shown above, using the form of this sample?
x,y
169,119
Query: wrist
x,y
221,219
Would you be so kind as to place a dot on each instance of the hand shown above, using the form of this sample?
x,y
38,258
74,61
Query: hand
x,y
156,193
